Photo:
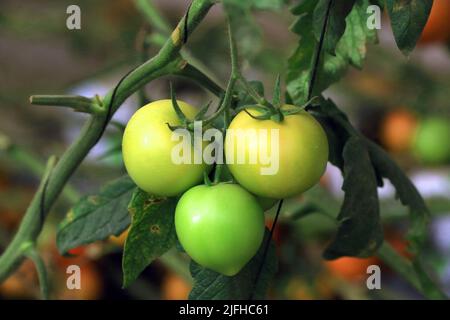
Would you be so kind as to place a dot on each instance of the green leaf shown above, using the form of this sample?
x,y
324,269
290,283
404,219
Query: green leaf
x,y
360,233
336,123
350,50
96,217
301,62
336,22
210,285
408,18
152,233
406,192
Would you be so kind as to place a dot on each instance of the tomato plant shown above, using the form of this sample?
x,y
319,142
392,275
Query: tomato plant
x,y
219,234
161,209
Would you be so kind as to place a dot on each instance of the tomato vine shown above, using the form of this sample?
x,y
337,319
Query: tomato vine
x,y
352,153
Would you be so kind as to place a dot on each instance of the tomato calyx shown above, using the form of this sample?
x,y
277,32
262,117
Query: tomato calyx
x,y
185,122
277,113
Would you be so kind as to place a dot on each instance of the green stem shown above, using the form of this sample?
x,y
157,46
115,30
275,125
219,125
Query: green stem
x,y
193,73
414,276
226,102
163,28
32,253
78,103
167,61
33,164
143,46
151,14
29,228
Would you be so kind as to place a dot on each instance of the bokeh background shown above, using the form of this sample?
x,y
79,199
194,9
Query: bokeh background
x,y
401,103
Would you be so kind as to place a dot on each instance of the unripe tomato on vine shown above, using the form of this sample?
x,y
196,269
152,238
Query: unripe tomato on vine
x,y
221,227
147,150
301,152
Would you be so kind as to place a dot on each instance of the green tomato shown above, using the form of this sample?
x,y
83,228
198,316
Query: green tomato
x,y
147,150
302,153
432,141
221,227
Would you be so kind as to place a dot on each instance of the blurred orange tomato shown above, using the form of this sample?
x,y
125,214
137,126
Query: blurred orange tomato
x,y
437,28
22,284
175,287
350,268
398,130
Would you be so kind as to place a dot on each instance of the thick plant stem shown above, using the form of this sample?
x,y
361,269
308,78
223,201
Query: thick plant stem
x,y
29,228
167,61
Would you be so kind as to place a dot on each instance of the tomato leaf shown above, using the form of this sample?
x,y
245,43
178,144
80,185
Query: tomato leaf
x,y
301,61
336,22
360,233
408,18
96,217
337,126
212,285
152,233
350,50
406,192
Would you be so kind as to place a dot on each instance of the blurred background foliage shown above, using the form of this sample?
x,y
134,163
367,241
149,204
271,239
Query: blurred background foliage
x,y
402,104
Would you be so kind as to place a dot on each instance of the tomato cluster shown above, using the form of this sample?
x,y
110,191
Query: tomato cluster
x,y
221,225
